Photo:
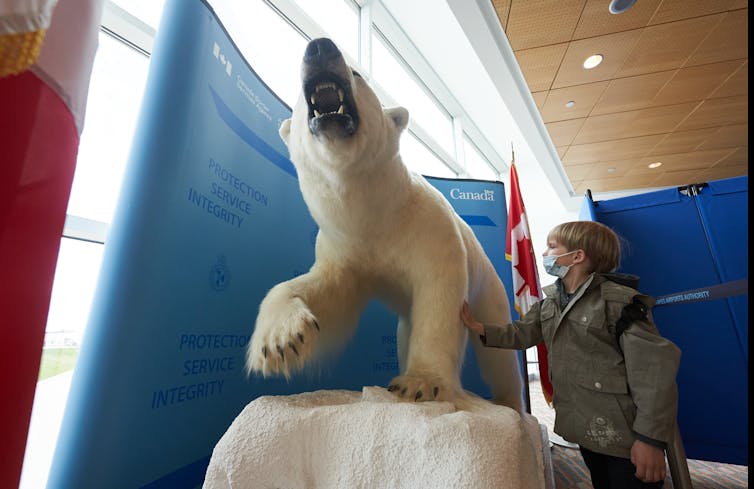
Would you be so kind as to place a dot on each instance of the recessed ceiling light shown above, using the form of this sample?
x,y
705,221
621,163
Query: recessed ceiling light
x,y
655,164
592,61
620,6
570,104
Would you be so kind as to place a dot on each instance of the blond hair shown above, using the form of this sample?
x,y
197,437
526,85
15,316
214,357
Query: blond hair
x,y
600,243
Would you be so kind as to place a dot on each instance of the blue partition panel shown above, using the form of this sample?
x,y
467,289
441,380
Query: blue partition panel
x,y
210,217
675,243
723,206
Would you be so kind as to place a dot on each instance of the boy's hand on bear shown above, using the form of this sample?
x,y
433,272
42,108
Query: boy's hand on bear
x,y
469,321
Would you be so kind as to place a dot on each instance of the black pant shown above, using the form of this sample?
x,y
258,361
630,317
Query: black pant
x,y
610,472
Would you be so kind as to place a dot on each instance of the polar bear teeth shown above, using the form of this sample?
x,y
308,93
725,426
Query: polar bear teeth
x,y
326,90
340,111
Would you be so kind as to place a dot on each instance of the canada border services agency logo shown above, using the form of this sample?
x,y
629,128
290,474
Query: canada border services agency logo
x,y
219,275
220,56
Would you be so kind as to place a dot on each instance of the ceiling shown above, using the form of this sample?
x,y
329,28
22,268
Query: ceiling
x,y
672,88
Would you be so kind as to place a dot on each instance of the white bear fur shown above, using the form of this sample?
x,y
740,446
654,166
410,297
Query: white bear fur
x,y
384,232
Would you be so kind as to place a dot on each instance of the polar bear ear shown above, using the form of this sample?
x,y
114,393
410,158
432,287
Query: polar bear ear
x,y
285,130
399,115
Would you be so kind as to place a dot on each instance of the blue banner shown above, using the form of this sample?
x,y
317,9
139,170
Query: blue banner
x,y
210,217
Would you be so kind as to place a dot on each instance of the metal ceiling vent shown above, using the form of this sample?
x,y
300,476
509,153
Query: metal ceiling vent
x,y
620,6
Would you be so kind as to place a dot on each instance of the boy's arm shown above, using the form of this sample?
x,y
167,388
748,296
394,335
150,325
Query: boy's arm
x,y
522,334
652,365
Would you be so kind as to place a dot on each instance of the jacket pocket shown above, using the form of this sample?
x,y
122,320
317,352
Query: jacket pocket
x,y
603,420
607,382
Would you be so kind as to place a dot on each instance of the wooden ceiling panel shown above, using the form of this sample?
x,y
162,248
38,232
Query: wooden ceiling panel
x,y
593,171
539,98
596,20
721,172
724,42
676,178
583,96
614,47
610,169
683,141
540,65
738,157
580,172
563,132
726,137
633,123
718,112
615,184
675,10
695,160
622,149
667,46
737,84
696,82
631,93
541,22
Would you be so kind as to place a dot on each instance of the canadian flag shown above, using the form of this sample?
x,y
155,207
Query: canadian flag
x,y
47,50
520,252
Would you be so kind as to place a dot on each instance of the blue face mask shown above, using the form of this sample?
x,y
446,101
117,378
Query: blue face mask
x,y
553,268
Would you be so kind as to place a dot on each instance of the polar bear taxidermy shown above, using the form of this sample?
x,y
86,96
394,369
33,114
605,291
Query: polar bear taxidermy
x,y
411,251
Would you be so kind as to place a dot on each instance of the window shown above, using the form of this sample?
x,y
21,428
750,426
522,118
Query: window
x,y
404,89
72,292
339,18
476,165
148,11
115,91
254,43
419,159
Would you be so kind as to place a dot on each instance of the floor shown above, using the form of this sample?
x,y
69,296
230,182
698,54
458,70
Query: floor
x,y
570,472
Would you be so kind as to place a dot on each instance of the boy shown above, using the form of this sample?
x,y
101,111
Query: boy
x,y
615,396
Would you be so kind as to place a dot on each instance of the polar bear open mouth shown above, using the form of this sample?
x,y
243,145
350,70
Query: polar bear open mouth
x,y
330,101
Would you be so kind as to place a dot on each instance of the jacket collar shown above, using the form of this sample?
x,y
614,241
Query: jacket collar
x,y
626,279
553,291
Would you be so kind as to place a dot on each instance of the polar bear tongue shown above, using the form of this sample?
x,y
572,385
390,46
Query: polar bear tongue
x,y
326,100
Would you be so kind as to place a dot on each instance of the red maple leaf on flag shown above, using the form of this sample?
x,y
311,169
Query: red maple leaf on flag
x,y
526,267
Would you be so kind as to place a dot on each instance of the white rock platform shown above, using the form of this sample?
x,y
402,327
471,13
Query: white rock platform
x,y
346,439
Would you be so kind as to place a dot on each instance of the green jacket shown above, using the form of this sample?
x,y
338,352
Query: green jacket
x,y
604,399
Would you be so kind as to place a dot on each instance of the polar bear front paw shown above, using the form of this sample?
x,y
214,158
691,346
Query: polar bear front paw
x,y
283,338
422,388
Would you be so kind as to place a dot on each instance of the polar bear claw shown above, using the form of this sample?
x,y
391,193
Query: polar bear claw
x,y
422,388
284,339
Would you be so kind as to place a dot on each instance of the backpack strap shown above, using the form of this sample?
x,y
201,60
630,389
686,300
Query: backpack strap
x,y
636,310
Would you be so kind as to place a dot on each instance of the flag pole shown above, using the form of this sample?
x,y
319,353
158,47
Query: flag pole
x,y
526,357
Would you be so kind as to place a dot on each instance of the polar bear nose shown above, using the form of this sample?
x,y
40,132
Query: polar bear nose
x,y
320,51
